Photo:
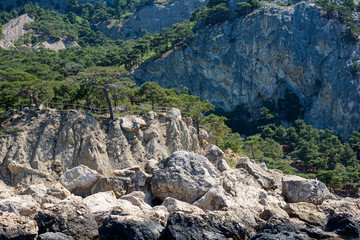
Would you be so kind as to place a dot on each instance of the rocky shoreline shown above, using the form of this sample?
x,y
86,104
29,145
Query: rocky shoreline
x,y
183,195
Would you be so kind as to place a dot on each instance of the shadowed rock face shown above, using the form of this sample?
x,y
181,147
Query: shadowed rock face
x,y
253,59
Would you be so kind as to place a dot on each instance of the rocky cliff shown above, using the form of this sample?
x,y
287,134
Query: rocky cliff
x,y
252,59
183,196
153,18
50,142
14,29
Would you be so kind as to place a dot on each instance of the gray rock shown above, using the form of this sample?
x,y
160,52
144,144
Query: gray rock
x,y
101,204
205,226
79,180
130,227
54,236
222,165
173,205
298,189
118,185
13,226
264,177
174,112
151,165
71,217
213,153
344,225
58,191
140,181
132,123
279,229
184,176
24,205
36,190
139,199
243,62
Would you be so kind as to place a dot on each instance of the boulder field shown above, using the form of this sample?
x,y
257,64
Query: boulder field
x,y
178,195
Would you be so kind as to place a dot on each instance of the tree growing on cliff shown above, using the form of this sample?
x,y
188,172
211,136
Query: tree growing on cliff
x,y
192,106
153,93
19,85
216,125
105,79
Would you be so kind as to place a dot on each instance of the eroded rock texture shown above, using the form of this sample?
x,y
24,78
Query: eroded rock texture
x,y
256,58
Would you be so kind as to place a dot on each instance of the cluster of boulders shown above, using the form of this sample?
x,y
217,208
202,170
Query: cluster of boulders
x,y
184,196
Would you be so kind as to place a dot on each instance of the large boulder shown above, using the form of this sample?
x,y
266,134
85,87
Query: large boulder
x,y
184,176
307,212
14,226
24,205
38,190
219,225
132,123
70,216
279,229
344,225
298,189
264,177
119,185
130,227
79,180
101,204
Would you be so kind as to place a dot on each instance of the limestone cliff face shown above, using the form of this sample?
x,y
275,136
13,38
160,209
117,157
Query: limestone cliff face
x,y
50,142
13,30
255,58
153,18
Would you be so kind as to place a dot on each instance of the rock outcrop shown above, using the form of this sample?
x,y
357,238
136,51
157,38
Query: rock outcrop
x,y
152,18
253,59
184,176
70,216
52,142
298,189
13,30
181,196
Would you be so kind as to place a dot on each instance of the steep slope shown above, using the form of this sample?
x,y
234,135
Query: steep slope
x,y
48,4
51,141
153,18
253,59
13,30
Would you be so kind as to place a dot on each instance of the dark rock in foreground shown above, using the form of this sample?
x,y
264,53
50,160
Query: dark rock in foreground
x,y
130,227
343,224
211,226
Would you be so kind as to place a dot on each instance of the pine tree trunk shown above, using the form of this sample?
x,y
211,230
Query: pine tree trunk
x,y
108,100
197,126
